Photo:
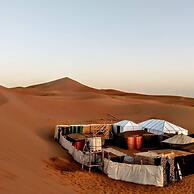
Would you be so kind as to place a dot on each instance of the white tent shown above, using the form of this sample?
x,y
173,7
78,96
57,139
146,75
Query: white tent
x,y
125,125
160,127
179,140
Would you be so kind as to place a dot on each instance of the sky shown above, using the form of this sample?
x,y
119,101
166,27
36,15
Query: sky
x,y
131,45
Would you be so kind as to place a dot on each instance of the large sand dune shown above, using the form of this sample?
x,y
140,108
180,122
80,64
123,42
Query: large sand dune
x,y
30,162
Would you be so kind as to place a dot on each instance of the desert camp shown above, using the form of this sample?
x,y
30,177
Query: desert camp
x,y
130,152
96,97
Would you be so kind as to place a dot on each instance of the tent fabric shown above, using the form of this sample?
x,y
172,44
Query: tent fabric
x,y
56,132
148,154
179,140
115,152
140,174
78,155
161,127
112,169
105,166
67,145
125,125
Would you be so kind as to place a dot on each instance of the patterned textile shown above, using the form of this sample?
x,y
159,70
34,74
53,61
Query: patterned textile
x,y
163,164
172,168
171,173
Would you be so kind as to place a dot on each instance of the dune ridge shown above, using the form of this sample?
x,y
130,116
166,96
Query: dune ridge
x,y
27,120
67,85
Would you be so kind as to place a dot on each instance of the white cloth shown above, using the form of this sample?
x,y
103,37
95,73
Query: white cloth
x,y
141,174
159,127
126,125
56,132
179,140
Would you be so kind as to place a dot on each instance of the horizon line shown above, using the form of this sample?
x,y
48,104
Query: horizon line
x,y
115,89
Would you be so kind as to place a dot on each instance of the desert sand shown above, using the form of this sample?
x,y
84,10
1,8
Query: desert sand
x,y
30,160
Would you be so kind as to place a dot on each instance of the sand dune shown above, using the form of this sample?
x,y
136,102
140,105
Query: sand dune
x,y
30,162
3,98
57,87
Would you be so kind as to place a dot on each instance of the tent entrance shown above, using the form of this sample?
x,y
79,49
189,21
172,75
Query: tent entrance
x,y
118,129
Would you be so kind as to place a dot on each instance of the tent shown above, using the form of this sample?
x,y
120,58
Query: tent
x,y
161,127
179,140
124,126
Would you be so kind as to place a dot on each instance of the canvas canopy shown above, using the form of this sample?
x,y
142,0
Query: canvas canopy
x,y
148,154
125,125
161,127
179,140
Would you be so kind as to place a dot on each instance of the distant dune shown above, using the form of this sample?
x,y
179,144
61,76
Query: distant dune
x,y
28,116
61,86
74,95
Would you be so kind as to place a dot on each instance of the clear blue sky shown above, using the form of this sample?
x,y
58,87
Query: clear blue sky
x,y
136,46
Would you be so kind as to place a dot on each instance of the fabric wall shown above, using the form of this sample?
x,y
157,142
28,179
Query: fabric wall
x,y
56,133
67,145
141,174
76,154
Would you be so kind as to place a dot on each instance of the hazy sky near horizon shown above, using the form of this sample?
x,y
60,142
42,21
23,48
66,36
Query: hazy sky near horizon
x,y
136,46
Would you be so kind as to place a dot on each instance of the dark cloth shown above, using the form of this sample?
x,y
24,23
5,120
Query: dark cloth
x,y
157,161
186,164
